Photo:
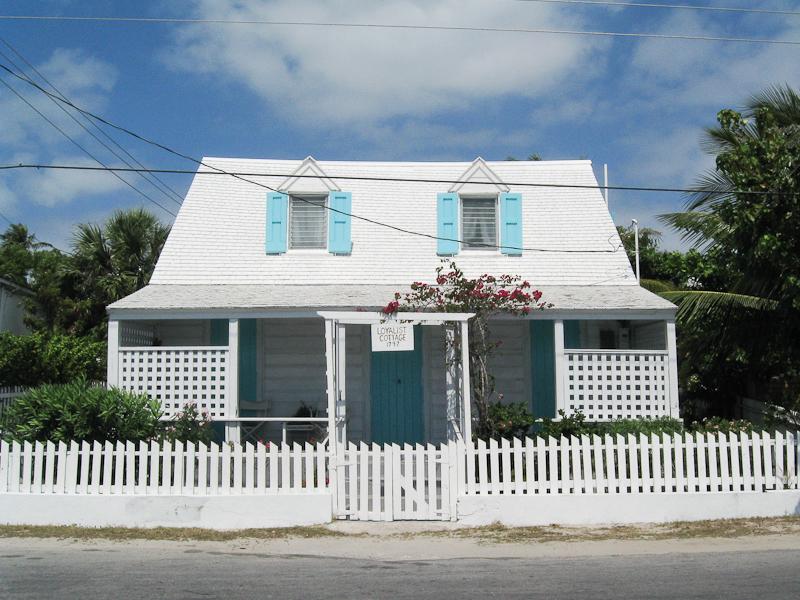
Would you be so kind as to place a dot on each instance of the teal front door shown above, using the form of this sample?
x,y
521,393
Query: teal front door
x,y
396,391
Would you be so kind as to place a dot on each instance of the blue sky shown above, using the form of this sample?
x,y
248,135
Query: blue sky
x,y
639,105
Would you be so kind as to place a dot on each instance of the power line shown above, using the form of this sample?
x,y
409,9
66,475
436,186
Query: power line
x,y
327,207
75,142
143,175
165,189
622,34
728,9
624,188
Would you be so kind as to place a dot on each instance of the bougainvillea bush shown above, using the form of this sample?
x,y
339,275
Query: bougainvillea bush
x,y
485,296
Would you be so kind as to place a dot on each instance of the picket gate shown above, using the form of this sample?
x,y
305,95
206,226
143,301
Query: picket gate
x,y
394,483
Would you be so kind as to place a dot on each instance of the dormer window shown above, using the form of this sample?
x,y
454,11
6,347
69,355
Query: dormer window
x,y
308,222
479,223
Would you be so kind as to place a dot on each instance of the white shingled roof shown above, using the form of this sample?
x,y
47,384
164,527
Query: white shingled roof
x,y
214,256
286,297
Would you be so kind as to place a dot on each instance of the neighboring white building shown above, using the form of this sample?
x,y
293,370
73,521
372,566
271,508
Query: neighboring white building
x,y
12,307
230,317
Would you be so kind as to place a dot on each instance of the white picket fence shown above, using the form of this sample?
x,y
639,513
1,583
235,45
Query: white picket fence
x,y
162,469
634,464
391,482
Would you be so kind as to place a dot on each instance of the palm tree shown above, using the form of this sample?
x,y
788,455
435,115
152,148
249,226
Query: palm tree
x,y
745,218
117,259
755,153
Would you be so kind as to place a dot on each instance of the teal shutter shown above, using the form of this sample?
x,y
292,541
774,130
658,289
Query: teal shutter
x,y
219,332
511,224
248,367
277,221
543,368
447,227
339,240
572,334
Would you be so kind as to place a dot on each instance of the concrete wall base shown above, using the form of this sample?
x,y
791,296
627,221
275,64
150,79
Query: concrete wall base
x,y
568,509
208,512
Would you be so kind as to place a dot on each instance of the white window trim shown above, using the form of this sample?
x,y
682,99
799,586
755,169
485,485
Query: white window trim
x,y
307,195
464,247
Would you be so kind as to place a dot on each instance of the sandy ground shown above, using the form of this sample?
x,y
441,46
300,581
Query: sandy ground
x,y
437,541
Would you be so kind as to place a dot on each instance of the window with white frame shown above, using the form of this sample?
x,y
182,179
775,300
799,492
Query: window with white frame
x,y
479,223
308,222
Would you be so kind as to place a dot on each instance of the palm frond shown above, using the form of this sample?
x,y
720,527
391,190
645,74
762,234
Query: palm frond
x,y
696,305
781,100
699,228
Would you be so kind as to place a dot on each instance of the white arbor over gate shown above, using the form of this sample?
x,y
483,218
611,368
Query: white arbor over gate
x,y
459,413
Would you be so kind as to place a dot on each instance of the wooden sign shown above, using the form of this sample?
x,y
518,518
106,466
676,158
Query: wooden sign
x,y
392,337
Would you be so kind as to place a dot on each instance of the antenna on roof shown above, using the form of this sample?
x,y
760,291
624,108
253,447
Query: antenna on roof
x,y
605,182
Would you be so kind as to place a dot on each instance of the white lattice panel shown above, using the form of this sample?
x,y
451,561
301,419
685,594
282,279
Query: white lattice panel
x,y
610,384
135,334
177,376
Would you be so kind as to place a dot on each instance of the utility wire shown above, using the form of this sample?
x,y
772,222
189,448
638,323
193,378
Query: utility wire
x,y
142,174
77,144
622,34
728,9
165,188
624,188
327,207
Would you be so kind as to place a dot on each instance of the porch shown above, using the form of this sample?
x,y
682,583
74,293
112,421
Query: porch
x,y
267,377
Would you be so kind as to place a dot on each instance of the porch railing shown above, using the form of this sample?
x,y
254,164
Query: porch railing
x,y
614,384
178,375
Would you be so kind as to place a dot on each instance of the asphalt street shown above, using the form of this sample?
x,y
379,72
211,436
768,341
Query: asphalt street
x,y
31,569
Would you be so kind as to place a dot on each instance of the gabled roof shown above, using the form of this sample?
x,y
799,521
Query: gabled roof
x,y
308,177
219,234
476,178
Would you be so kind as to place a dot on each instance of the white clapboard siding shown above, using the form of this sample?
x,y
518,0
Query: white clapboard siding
x,y
162,469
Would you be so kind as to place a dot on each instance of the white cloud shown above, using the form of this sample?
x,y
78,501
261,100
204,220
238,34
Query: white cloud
x,y
27,137
363,77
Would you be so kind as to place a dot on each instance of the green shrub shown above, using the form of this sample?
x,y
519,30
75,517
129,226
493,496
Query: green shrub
x,y
720,425
30,360
576,425
189,425
78,411
508,420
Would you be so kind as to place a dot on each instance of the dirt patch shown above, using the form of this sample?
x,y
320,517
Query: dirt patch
x,y
725,528
491,534
163,533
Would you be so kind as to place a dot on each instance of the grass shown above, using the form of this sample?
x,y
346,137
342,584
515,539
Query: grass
x,y
497,534
177,534
724,528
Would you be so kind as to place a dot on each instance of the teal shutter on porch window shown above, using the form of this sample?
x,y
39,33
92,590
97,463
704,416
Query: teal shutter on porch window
x,y
447,224
572,334
219,332
339,240
543,368
248,372
511,224
277,220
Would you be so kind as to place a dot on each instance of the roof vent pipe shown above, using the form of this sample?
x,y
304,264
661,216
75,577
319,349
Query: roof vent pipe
x,y
605,182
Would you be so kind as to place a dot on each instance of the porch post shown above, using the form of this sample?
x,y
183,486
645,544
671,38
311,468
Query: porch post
x,y
466,391
232,431
454,413
112,362
340,343
558,347
672,370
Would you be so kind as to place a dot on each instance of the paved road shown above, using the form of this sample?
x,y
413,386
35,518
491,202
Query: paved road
x,y
33,569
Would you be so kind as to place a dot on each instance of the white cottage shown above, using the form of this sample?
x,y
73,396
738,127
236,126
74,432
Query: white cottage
x,y
261,305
